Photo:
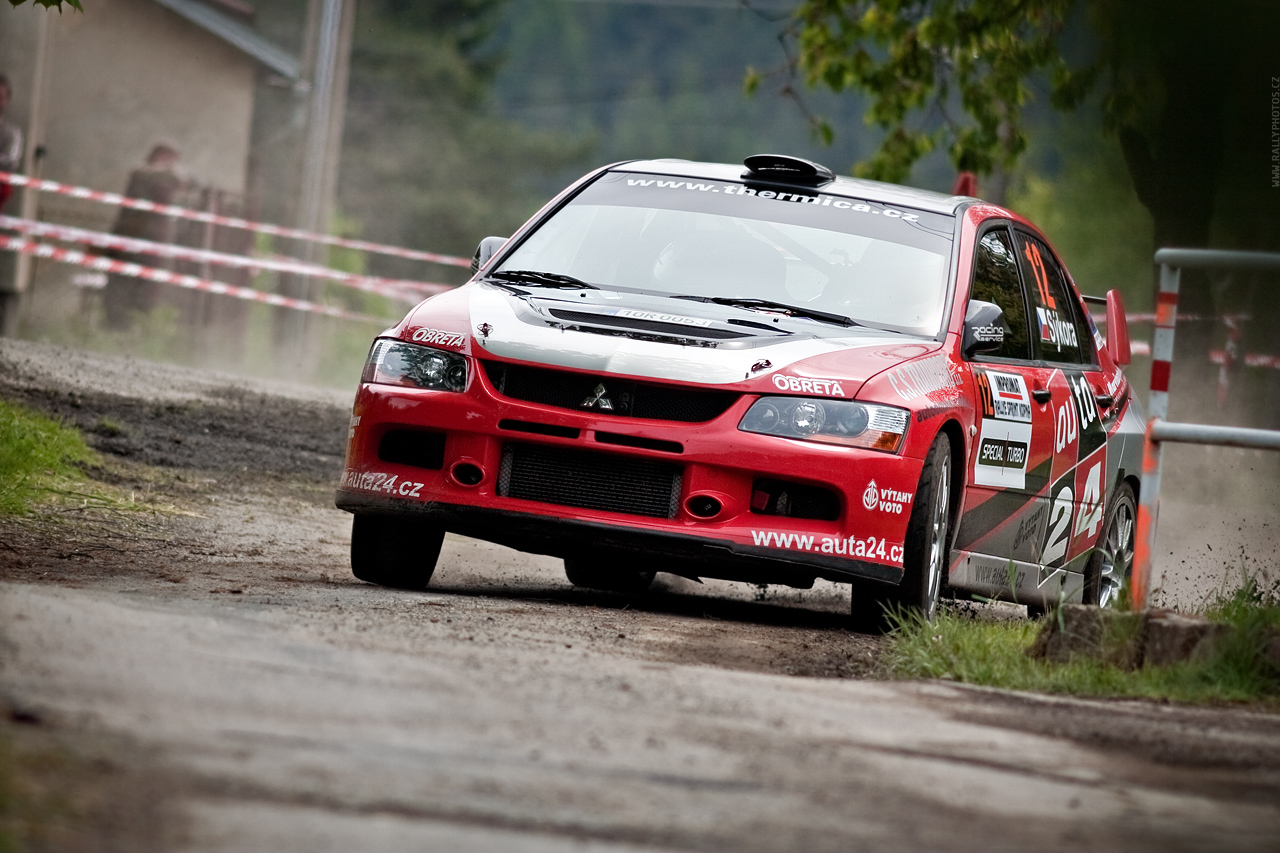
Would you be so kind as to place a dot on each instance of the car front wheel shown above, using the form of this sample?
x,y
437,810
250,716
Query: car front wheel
x,y
926,551
394,551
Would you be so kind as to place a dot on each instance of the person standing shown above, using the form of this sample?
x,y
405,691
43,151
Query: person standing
x,y
10,161
10,141
159,180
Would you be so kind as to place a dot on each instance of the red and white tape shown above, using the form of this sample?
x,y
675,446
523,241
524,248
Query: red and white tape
x,y
409,291
190,282
1250,359
1150,317
1218,356
228,221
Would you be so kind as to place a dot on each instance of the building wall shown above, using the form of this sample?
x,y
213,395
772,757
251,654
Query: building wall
x,y
126,74
130,73
19,34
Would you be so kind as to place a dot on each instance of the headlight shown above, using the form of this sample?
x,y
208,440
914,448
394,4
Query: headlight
x,y
830,421
398,363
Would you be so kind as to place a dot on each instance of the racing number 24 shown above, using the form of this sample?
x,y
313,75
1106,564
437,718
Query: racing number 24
x,y
1060,531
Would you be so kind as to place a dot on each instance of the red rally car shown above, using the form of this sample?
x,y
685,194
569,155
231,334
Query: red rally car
x,y
767,375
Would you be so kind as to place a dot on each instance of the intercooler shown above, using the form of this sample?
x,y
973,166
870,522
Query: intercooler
x,y
589,480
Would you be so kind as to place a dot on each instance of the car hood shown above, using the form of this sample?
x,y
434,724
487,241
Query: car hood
x,y
643,336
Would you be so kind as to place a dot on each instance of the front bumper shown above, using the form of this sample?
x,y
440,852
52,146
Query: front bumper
x,y
464,485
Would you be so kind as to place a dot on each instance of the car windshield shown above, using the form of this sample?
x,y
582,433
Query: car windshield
x,y
876,264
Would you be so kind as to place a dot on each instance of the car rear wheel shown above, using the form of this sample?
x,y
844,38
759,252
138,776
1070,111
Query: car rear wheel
x,y
1110,566
605,572
394,551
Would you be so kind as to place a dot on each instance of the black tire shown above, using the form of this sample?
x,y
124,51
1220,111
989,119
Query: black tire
x,y
597,571
868,607
1111,565
394,551
927,550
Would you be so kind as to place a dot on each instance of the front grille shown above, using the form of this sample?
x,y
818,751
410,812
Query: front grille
x,y
626,398
587,480
655,326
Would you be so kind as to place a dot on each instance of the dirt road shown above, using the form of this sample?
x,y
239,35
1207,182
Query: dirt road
x,y
216,680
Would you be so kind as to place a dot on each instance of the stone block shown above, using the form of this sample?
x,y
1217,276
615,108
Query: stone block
x,y
1084,631
1273,649
1173,638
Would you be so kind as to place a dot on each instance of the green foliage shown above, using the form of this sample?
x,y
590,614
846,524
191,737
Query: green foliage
x,y
37,457
960,646
425,163
51,4
1171,78
1075,187
952,73
656,81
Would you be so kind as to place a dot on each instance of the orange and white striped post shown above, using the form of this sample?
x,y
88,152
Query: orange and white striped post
x,y
1158,409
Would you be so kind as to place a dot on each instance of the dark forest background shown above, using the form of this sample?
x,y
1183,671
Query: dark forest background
x,y
464,116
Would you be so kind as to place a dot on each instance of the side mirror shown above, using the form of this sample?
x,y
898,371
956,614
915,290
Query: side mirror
x,y
486,250
1117,329
984,327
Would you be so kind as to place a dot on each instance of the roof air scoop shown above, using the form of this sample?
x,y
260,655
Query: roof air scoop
x,y
781,169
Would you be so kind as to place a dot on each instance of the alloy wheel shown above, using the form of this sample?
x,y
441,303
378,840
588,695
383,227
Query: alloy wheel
x,y
938,524
1117,554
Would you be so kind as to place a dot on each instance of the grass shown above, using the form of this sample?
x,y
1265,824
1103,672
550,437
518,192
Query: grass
x,y
38,458
43,466
961,646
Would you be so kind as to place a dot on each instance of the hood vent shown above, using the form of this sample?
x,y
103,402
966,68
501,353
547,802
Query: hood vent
x,y
652,326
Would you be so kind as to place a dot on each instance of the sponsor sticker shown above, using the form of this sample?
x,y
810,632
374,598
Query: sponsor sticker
x,y
1055,330
834,202
930,377
351,431
1029,527
1077,425
827,387
872,547
1005,443
885,500
661,318
378,481
439,337
989,334
990,572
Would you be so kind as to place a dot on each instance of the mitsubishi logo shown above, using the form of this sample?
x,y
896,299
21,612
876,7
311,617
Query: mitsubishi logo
x,y
598,400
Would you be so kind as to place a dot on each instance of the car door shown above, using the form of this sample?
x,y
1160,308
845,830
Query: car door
x,y
1005,511
1064,344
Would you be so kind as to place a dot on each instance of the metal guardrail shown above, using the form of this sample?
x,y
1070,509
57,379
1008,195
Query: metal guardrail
x,y
1172,262
1263,439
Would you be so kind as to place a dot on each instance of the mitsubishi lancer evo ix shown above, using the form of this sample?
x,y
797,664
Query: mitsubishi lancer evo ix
x,y
768,375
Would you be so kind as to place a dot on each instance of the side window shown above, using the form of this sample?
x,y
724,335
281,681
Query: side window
x,y
1059,329
995,279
